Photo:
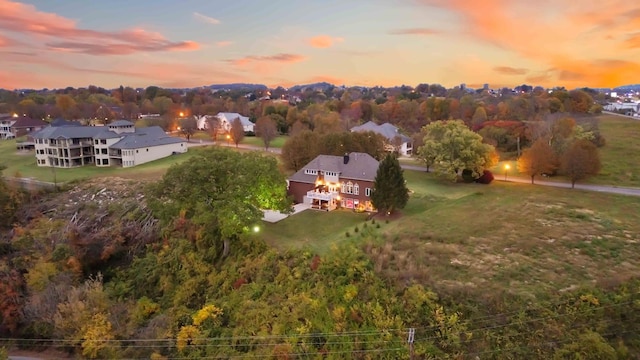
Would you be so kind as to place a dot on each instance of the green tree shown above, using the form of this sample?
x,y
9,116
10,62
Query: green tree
x,y
538,159
580,161
479,116
453,147
222,192
237,131
266,130
390,189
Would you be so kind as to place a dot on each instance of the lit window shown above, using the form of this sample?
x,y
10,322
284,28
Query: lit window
x,y
349,189
356,189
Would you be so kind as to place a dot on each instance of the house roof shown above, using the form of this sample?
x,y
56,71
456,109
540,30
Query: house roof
x,y
140,140
121,123
63,122
361,166
25,121
230,117
68,132
387,130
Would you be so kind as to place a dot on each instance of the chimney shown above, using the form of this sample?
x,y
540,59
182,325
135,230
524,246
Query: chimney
x,y
346,158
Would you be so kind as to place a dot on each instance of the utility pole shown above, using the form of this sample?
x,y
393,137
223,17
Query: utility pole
x,y
412,334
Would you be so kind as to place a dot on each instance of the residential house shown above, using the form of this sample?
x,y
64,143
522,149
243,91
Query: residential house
x,y
117,144
395,140
226,119
329,182
13,127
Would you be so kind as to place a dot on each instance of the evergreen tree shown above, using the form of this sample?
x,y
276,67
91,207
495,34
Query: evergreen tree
x,y
390,190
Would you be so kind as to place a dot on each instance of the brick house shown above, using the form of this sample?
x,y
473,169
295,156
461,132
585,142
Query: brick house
x,y
329,182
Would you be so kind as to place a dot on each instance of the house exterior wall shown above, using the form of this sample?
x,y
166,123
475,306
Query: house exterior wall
x,y
348,198
64,152
101,150
299,190
5,129
134,157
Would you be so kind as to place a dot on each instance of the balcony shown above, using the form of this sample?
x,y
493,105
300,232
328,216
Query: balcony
x,y
322,195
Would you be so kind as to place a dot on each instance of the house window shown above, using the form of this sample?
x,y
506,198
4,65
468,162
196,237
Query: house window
x,y
103,151
356,189
367,191
105,161
311,172
349,188
103,141
136,151
343,187
97,142
147,149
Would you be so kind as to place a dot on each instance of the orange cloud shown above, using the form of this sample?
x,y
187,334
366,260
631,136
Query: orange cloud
x,y
559,36
278,58
223,43
414,31
508,70
323,41
26,19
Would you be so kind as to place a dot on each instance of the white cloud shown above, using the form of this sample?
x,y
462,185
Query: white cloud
x,y
205,18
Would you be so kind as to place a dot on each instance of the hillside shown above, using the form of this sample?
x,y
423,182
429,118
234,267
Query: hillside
x,y
541,272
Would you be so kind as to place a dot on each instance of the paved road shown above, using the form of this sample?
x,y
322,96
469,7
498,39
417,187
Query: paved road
x,y
599,188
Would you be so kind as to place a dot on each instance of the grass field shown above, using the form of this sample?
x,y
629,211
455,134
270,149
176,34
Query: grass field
x,y
621,154
256,141
530,240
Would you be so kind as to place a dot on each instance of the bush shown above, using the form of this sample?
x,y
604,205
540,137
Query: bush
x,y
467,176
356,229
347,234
486,178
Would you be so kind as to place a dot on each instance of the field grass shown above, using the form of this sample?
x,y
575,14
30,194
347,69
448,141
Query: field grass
x,y
621,154
528,240
256,141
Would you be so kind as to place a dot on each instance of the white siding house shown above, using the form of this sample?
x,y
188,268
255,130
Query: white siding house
x,y
118,144
226,119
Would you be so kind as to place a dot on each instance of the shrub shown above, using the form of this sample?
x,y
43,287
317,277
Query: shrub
x,y
347,234
467,176
373,221
356,229
486,178
377,226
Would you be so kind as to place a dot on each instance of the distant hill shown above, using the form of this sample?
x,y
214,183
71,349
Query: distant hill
x,y
238,86
633,87
320,85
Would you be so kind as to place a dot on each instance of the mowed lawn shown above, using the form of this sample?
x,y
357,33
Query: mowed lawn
x,y
524,239
621,154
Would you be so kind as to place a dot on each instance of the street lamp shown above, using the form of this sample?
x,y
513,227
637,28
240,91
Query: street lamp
x,y
506,170
228,140
181,114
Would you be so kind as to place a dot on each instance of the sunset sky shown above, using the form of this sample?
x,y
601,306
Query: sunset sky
x,y
187,43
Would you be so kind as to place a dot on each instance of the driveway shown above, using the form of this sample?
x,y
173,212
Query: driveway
x,y
275,216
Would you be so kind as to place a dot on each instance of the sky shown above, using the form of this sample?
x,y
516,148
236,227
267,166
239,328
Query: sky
x,y
189,43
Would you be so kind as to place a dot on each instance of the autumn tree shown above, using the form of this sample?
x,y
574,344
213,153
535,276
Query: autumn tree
x,y
479,117
65,103
390,189
188,126
539,159
237,131
266,130
299,149
222,192
580,161
454,148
